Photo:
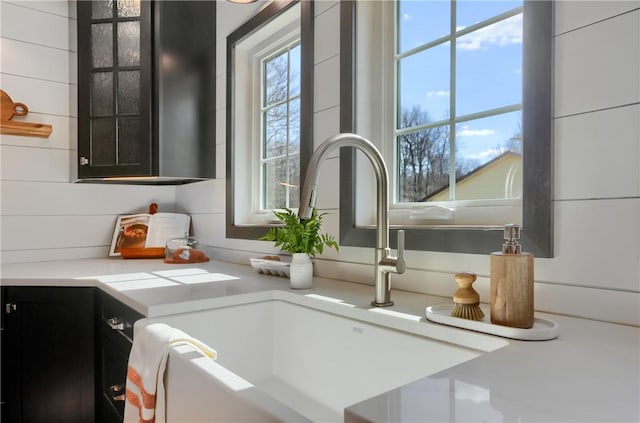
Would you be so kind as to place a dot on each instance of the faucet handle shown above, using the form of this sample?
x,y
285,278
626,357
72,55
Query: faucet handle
x,y
401,264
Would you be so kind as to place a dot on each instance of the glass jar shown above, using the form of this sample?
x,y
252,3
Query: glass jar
x,y
184,250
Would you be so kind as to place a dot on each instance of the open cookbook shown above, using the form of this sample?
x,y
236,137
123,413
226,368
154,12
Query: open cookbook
x,y
145,230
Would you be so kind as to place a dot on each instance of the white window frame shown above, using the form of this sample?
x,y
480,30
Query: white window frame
x,y
283,31
375,85
283,44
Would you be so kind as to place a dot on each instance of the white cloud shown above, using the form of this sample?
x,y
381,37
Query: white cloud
x,y
440,93
466,132
406,17
487,154
503,33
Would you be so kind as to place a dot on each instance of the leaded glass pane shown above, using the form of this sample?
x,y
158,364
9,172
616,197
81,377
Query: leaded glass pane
x,y
102,94
101,45
128,8
129,43
129,92
128,141
103,142
102,9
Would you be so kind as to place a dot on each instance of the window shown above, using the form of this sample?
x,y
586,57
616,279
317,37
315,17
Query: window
x,y
465,124
458,79
453,97
280,135
269,115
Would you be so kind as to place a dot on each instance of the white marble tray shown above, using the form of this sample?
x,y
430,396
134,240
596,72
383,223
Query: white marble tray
x,y
542,329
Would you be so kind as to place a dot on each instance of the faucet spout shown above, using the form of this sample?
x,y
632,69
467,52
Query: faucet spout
x,y
384,262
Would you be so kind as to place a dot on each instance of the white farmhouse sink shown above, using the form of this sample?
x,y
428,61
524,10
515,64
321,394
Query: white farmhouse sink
x,y
313,356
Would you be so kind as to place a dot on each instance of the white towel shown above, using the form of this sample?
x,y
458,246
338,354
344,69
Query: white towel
x,y
145,394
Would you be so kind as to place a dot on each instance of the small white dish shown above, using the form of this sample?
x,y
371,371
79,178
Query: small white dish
x,y
271,267
542,330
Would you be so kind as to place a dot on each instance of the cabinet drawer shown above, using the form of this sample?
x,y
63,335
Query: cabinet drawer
x,y
111,414
118,319
115,331
116,337
114,375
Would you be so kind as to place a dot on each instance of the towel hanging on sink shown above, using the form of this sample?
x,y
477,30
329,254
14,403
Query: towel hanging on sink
x,y
145,391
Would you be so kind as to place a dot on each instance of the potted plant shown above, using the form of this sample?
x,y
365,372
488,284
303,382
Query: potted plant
x,y
303,240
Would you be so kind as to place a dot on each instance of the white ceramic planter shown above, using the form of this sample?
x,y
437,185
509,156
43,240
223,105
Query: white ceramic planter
x,y
301,271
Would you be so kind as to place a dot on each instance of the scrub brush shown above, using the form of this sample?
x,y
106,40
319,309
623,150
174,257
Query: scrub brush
x,y
466,300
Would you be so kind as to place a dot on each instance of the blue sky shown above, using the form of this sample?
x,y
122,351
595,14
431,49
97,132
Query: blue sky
x,y
488,75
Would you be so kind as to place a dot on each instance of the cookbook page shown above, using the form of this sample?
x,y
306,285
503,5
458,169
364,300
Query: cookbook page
x,y
130,232
164,226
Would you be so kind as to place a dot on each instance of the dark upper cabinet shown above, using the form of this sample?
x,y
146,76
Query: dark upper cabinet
x,y
146,90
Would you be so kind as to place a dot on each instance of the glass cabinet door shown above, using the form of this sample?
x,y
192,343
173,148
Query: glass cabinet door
x,y
114,88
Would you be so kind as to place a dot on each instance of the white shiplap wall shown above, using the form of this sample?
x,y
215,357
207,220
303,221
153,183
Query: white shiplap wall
x,y
596,269
42,215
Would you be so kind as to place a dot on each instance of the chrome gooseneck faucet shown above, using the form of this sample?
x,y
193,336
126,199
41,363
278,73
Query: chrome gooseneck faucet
x,y
384,262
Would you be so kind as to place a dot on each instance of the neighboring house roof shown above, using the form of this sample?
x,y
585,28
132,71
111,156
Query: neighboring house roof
x,y
486,181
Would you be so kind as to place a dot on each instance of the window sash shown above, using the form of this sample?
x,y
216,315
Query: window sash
x,y
275,50
402,211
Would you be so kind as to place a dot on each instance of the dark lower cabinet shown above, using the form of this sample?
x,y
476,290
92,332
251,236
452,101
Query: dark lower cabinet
x,y
48,354
3,357
64,354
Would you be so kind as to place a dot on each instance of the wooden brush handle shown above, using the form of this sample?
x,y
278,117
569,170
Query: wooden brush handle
x,y
465,293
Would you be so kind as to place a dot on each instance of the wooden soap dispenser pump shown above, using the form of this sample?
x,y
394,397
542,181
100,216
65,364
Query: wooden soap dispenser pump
x,y
512,283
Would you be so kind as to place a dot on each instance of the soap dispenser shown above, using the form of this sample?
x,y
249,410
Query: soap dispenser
x,y
512,282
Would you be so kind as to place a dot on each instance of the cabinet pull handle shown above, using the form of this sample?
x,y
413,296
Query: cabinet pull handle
x,y
117,324
117,393
116,388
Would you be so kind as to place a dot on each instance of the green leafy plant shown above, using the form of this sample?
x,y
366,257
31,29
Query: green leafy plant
x,y
299,235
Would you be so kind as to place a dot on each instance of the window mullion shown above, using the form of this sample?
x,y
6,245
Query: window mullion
x,y
396,103
452,104
460,119
487,22
263,126
287,189
489,113
279,103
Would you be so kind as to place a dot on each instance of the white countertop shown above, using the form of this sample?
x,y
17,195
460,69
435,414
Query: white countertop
x,y
591,372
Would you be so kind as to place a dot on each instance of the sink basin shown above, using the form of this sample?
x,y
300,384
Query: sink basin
x,y
314,357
